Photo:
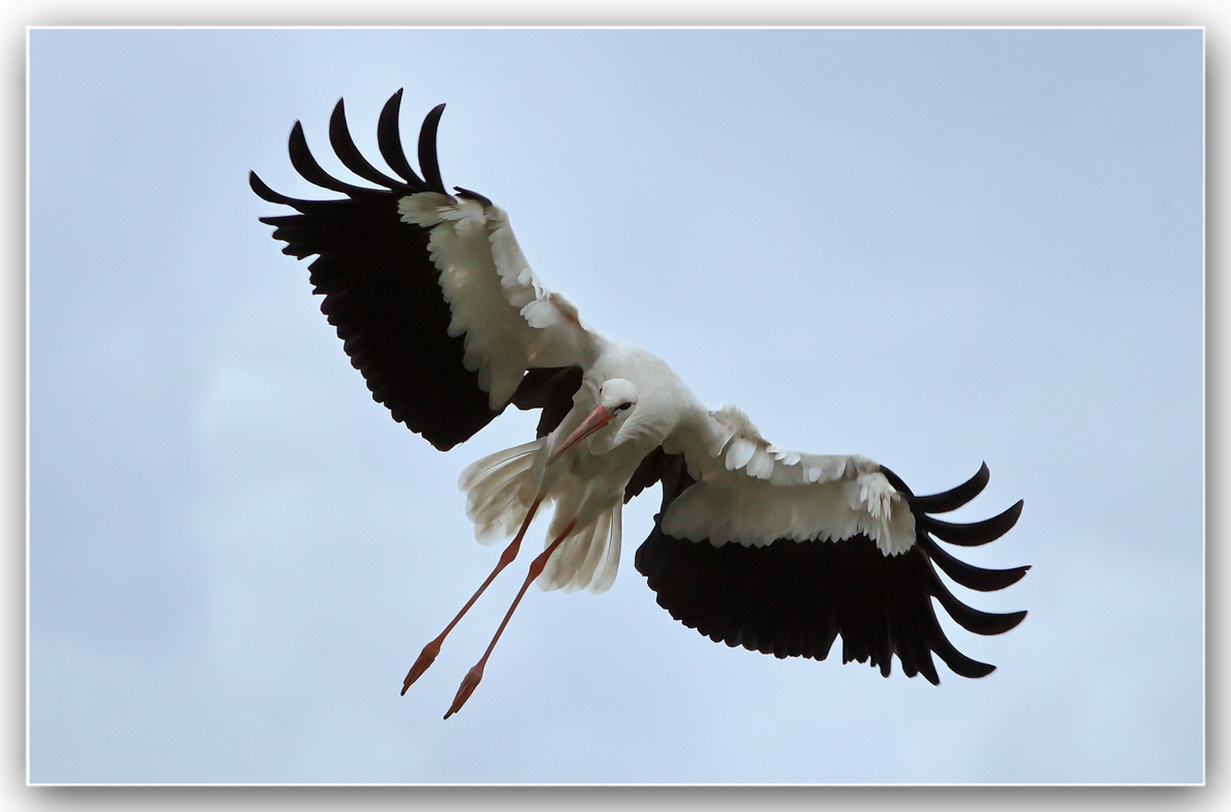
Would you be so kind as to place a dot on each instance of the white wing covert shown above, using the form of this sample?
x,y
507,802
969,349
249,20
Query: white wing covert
x,y
510,322
752,492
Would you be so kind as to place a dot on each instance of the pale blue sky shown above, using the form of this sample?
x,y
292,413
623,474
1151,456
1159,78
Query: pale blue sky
x,y
930,247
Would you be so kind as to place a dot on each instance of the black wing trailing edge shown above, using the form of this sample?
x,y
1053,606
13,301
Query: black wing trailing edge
x,y
380,288
793,599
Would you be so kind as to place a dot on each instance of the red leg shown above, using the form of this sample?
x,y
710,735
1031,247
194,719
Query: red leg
x,y
428,655
471,680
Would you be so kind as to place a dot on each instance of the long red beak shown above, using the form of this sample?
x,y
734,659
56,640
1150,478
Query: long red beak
x,y
595,420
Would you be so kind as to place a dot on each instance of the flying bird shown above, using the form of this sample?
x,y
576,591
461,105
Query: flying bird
x,y
755,545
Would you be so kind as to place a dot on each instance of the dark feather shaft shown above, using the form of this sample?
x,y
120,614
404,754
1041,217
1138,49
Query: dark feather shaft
x,y
389,141
954,498
975,533
428,160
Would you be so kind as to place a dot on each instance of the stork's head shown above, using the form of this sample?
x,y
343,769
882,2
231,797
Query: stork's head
x,y
617,395
616,399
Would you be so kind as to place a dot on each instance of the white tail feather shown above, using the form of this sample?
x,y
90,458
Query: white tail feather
x,y
499,491
588,559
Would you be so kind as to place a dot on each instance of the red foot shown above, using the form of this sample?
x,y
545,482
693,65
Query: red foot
x,y
469,683
426,658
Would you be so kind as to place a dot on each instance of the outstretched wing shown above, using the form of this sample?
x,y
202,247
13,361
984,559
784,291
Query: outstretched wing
x,y
429,291
782,552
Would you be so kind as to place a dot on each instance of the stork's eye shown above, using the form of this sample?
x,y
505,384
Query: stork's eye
x,y
625,405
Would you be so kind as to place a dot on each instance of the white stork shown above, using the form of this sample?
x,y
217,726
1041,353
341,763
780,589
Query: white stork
x,y
757,546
